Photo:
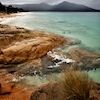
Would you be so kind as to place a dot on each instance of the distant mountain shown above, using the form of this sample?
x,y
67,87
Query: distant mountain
x,y
64,6
67,6
35,7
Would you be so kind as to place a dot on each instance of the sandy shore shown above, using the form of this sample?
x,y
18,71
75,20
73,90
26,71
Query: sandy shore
x,y
4,15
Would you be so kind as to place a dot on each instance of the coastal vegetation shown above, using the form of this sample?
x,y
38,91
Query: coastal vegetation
x,y
77,85
9,9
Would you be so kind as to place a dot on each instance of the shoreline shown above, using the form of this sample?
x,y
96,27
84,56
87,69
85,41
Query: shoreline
x,y
27,36
11,31
24,52
4,15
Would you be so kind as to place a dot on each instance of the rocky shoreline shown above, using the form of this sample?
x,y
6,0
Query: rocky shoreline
x,y
25,52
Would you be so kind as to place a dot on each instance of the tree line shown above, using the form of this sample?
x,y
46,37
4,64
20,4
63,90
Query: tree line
x,y
9,9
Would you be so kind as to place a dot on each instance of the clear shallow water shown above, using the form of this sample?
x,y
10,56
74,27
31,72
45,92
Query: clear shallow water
x,y
95,75
38,80
83,26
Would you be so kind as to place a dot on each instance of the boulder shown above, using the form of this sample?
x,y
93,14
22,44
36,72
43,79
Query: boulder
x,y
50,91
10,90
84,59
20,45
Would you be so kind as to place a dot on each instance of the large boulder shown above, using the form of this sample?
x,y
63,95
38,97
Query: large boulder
x,y
10,90
19,45
50,91
84,59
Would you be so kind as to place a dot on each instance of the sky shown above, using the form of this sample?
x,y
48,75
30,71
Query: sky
x,y
90,3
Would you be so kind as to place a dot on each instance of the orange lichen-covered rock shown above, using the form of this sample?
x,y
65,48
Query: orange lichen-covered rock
x,y
20,45
11,90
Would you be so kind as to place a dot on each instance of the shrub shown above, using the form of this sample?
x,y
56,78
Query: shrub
x,y
77,85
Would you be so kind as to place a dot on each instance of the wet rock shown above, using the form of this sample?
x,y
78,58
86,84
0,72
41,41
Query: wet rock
x,y
84,59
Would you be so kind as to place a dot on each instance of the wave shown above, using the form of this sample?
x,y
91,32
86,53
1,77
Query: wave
x,y
60,58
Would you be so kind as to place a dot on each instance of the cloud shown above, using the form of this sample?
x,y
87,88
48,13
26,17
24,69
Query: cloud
x,y
90,3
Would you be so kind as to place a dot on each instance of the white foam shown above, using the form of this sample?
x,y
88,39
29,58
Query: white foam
x,y
6,20
60,57
17,79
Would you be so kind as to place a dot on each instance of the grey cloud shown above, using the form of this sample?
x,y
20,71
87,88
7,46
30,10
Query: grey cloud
x,y
90,3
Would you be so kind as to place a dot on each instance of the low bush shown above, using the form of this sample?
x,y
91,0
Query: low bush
x,y
77,85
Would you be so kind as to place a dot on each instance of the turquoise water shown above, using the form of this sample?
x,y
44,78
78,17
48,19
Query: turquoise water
x,y
95,75
83,26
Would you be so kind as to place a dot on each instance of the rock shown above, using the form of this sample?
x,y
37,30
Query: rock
x,y
55,91
15,93
24,52
25,45
81,59
6,88
84,59
50,91
12,91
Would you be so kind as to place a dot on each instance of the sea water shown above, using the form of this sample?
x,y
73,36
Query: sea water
x,y
84,26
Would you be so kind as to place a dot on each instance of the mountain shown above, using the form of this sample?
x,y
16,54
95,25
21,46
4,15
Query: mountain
x,y
35,7
64,6
67,6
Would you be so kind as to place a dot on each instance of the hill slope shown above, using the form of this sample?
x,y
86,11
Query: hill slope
x,y
64,6
67,6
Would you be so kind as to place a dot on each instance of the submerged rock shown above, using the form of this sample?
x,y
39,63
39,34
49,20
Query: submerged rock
x,y
84,59
77,58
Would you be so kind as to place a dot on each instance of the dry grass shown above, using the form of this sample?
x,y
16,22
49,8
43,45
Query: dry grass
x,y
77,85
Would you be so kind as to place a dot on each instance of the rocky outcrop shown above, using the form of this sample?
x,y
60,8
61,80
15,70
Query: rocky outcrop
x,y
24,52
20,48
84,59
19,45
50,91
77,58
9,90
55,91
